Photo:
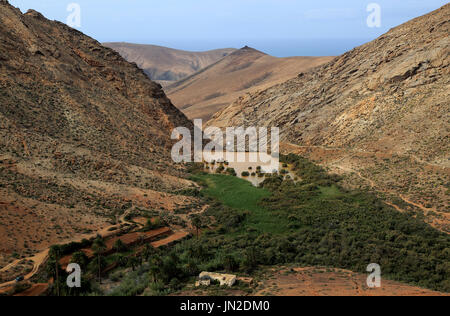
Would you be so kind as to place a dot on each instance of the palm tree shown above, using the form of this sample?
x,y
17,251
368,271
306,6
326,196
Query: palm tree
x,y
133,262
55,256
99,248
147,252
197,223
122,260
149,225
155,268
80,258
192,267
230,263
119,246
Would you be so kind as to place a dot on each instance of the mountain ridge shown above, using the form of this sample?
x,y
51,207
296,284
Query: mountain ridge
x,y
203,93
167,65
381,106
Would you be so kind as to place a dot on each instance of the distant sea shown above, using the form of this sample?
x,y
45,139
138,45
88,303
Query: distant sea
x,y
277,47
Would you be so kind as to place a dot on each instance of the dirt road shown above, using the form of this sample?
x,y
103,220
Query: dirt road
x,y
172,238
38,260
41,257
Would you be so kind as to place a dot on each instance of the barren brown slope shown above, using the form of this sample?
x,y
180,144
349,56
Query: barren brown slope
x,y
214,88
380,111
167,65
315,281
84,135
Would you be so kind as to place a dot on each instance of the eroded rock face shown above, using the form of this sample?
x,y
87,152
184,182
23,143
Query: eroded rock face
x,y
59,85
395,88
84,135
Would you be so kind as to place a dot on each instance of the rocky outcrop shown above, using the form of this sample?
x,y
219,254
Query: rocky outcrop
x,y
388,99
394,88
58,85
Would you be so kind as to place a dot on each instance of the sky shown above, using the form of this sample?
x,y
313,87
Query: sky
x,y
278,27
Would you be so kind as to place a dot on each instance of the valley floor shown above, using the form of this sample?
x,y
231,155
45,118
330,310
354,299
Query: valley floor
x,y
311,222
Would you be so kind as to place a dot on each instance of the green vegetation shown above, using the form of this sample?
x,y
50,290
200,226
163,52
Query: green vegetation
x,y
119,246
153,224
197,223
233,192
220,169
231,172
80,258
311,222
99,248
317,222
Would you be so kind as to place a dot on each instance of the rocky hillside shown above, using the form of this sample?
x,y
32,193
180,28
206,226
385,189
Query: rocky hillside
x,y
246,70
379,112
84,135
167,65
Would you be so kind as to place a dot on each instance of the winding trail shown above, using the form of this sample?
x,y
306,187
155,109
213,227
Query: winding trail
x,y
361,151
395,206
40,258
172,238
375,186
185,217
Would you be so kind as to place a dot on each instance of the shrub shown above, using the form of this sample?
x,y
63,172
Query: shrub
x,y
231,172
119,246
230,264
220,169
80,258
